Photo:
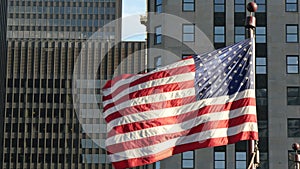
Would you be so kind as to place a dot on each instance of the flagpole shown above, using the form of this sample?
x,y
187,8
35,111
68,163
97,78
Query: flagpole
x,y
253,156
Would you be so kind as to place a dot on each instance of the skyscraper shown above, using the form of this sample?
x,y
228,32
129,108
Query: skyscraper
x,y
50,57
277,69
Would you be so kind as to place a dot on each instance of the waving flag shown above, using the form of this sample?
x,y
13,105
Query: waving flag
x,y
202,101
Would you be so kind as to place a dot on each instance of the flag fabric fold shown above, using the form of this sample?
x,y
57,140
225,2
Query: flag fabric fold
x,y
199,102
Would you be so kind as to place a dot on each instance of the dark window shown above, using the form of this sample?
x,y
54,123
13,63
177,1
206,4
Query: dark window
x,y
158,35
187,160
291,5
261,97
293,96
188,33
292,33
292,64
293,127
188,5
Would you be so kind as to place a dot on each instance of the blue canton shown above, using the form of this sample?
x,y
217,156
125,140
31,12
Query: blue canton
x,y
225,71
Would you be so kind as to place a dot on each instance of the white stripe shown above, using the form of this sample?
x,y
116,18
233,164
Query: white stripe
x,y
174,111
204,102
151,99
153,83
179,127
200,137
131,79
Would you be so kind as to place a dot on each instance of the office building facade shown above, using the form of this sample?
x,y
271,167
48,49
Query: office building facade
x,y
277,70
58,57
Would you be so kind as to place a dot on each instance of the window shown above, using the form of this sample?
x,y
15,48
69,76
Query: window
x,y
293,95
187,160
239,33
292,64
157,165
293,127
261,97
158,35
292,33
157,61
219,34
188,5
261,65
158,6
291,5
239,6
219,5
261,5
188,33
219,160
240,160
260,35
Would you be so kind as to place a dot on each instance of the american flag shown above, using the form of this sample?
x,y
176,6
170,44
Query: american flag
x,y
202,101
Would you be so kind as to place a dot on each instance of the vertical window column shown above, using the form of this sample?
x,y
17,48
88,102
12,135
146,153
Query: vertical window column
x,y
158,6
291,5
188,5
292,33
158,36
188,33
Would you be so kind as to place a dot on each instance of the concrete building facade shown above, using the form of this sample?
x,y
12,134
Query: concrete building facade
x,y
277,69
58,57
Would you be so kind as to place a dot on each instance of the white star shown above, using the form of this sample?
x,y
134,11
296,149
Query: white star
x,y
198,56
220,51
245,59
241,75
211,91
247,78
251,63
230,77
230,49
231,87
229,67
219,61
242,84
200,74
225,84
209,54
201,64
205,59
252,82
236,81
205,79
245,49
250,43
229,58
234,62
239,56
240,65
240,46
250,53
221,89
215,76
208,73
209,83
200,84
251,72
200,94
234,52
219,71
220,80
205,88
224,74
235,71
224,64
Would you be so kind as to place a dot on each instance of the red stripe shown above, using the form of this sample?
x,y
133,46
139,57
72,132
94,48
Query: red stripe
x,y
185,147
151,106
152,90
143,142
135,126
149,77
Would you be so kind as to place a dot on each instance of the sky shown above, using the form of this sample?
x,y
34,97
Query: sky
x,y
132,29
